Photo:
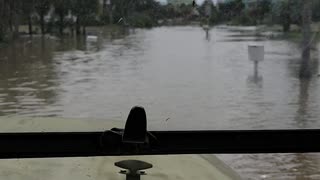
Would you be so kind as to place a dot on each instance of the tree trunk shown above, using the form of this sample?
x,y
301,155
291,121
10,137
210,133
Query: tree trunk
x,y
42,24
84,30
2,20
104,7
305,69
11,9
30,25
72,30
78,32
110,14
286,27
61,25
14,20
16,25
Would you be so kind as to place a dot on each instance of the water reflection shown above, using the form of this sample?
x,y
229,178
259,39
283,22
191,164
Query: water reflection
x,y
256,78
208,37
275,166
26,71
302,111
289,166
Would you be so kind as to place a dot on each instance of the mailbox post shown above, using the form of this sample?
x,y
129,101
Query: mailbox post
x,y
256,54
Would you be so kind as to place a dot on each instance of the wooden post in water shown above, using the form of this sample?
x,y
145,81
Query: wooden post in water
x,y
305,70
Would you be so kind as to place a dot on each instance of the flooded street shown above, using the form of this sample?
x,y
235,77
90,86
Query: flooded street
x,y
184,80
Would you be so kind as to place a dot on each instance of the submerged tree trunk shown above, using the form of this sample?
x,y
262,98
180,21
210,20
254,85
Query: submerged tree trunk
x,y
61,23
110,14
16,25
42,24
3,20
14,17
30,25
10,22
286,26
305,69
104,7
84,30
78,26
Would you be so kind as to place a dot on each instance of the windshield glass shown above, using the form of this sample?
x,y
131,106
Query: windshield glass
x,y
81,65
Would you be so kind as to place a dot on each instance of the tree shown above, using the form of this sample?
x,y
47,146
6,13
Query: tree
x,y
315,10
263,7
13,12
107,15
85,11
296,7
287,12
3,19
150,9
205,8
42,8
61,9
231,9
285,16
209,10
27,7
238,7
168,11
123,8
305,71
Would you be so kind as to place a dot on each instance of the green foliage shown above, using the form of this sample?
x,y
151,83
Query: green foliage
x,y
287,12
147,13
122,8
42,8
85,10
137,12
245,19
169,11
262,9
214,18
316,10
141,20
27,7
61,9
105,19
184,10
209,12
230,10
3,20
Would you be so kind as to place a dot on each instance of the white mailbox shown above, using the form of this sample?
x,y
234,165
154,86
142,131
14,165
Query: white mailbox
x,y
256,53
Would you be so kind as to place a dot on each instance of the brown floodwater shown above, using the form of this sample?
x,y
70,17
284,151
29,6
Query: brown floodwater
x,y
184,78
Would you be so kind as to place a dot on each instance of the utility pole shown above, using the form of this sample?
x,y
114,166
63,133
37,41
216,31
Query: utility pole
x,y
305,69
